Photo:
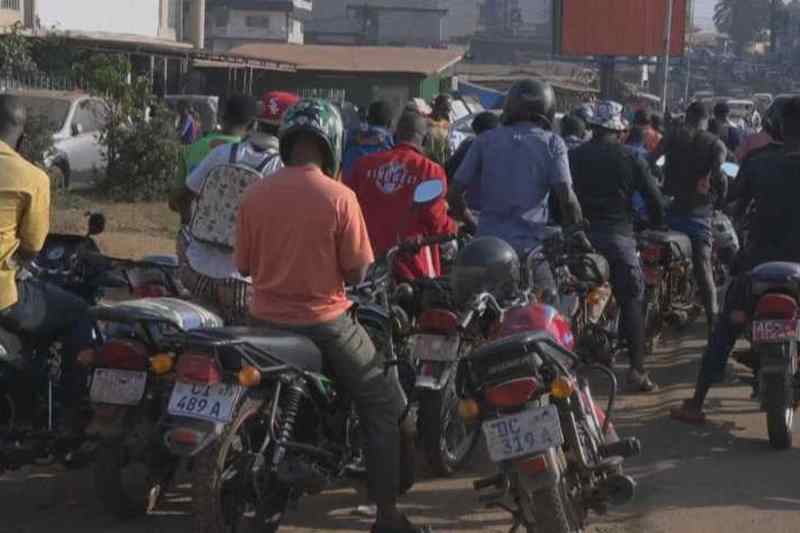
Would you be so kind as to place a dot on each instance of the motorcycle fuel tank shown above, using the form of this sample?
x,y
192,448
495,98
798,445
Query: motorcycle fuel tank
x,y
538,317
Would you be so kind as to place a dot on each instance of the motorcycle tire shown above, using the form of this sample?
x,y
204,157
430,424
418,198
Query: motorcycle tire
x,y
122,492
551,512
436,410
779,403
209,514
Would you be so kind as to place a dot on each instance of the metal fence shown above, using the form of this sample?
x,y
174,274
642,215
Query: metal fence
x,y
334,95
37,80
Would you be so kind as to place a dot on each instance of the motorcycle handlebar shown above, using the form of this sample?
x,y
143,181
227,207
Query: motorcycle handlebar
x,y
415,245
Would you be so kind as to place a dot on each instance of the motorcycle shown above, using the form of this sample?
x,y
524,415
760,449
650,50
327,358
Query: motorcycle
x,y
132,378
261,420
557,453
725,239
775,291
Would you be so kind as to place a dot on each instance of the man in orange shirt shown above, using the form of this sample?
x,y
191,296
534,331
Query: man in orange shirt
x,y
301,236
643,119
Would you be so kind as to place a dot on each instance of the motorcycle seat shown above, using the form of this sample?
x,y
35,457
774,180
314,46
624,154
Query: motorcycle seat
x,y
277,346
778,275
679,244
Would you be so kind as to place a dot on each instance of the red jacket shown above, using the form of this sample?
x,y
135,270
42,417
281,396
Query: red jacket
x,y
384,183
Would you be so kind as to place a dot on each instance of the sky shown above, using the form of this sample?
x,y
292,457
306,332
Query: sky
x,y
704,13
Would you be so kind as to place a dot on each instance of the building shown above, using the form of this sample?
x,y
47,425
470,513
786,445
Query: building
x,y
233,23
358,74
513,31
418,23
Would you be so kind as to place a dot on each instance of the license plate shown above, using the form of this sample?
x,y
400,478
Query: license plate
x,y
775,330
213,403
436,347
531,431
117,387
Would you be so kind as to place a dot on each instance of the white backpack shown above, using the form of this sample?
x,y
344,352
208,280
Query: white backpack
x,y
214,216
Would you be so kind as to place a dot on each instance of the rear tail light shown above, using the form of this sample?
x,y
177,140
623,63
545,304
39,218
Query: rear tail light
x,y
776,306
198,368
512,393
150,290
651,254
438,321
532,465
123,354
185,441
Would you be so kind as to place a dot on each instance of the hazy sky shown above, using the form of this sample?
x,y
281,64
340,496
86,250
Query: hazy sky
x,y
703,13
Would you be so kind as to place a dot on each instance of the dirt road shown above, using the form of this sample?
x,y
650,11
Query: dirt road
x,y
722,477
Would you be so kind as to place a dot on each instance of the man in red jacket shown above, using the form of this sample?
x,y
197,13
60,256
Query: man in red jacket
x,y
384,183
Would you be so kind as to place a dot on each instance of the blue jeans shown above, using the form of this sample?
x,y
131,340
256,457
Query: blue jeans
x,y
699,231
627,284
46,313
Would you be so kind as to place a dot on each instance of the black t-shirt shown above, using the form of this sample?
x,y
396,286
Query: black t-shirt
x,y
605,177
690,157
772,183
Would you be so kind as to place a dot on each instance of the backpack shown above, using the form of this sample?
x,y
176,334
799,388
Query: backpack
x,y
214,218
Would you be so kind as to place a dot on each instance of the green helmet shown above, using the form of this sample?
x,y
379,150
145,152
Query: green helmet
x,y
320,118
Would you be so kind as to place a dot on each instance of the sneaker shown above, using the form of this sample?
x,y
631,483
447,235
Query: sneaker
x,y
640,382
408,527
366,510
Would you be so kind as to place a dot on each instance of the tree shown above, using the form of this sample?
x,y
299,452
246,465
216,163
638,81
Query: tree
x,y
743,20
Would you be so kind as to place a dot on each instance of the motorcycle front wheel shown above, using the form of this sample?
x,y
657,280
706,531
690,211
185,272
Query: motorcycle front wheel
x,y
223,500
447,439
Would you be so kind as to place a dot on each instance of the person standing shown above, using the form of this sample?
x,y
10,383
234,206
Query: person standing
x,y
317,225
187,128
384,184
376,138
606,176
693,176
438,144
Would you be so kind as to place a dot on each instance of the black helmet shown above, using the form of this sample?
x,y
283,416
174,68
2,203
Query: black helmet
x,y
773,118
485,264
530,98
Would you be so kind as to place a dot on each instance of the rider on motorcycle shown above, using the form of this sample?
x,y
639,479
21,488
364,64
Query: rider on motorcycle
x,y
318,228
774,189
384,184
517,166
606,177
693,176
30,307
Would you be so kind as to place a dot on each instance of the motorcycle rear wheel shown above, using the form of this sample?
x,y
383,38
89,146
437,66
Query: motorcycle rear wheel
x,y
779,403
552,513
121,485
220,509
438,410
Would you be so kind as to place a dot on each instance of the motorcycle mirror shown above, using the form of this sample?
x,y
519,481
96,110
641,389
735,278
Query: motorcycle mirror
x,y
661,161
428,191
97,223
730,169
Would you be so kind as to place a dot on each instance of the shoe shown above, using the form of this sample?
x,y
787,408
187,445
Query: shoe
x,y
408,527
641,382
688,413
366,510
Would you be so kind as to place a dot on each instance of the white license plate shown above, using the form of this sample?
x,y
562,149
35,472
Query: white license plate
x,y
436,347
775,330
118,387
213,403
531,431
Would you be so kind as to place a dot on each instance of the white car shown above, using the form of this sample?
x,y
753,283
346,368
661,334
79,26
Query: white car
x,y
76,119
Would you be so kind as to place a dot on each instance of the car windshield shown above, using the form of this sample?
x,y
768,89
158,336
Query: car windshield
x,y
54,109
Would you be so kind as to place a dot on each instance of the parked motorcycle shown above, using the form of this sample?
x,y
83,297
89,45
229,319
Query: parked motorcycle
x,y
557,453
775,333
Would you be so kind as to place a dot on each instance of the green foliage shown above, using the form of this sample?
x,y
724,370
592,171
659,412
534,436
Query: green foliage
x,y
16,52
38,140
141,153
743,20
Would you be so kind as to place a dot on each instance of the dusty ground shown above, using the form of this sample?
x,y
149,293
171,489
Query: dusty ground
x,y
719,478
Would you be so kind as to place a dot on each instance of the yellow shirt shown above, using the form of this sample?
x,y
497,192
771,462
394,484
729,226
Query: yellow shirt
x,y
24,216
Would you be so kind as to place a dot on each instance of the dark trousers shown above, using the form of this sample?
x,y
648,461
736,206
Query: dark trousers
x,y
627,284
359,370
46,313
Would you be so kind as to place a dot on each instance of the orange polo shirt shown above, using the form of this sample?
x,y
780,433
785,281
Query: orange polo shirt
x,y
297,234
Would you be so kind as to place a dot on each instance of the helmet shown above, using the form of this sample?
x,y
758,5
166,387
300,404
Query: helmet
x,y
609,116
585,112
275,104
485,264
773,118
318,117
530,98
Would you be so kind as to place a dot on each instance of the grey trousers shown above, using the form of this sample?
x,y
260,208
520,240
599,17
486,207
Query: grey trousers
x,y
359,371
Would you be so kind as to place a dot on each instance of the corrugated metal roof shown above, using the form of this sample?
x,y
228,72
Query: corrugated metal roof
x,y
424,61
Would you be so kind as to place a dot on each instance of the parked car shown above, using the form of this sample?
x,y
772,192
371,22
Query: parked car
x,y
76,119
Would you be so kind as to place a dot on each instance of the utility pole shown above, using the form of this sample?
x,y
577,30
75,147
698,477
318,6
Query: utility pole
x,y
667,45
690,43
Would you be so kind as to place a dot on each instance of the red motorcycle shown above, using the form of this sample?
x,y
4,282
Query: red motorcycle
x,y
557,453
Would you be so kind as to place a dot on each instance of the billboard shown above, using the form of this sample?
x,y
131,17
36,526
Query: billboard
x,y
618,27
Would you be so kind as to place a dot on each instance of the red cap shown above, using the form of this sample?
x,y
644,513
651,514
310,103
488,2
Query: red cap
x,y
276,103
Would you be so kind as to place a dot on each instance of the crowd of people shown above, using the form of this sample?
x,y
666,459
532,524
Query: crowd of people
x,y
281,209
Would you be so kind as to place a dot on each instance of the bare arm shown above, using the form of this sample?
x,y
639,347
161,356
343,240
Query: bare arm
x,y
357,275
719,181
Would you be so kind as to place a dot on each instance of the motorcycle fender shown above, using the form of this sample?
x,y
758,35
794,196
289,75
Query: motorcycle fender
x,y
108,421
204,434
548,477
438,380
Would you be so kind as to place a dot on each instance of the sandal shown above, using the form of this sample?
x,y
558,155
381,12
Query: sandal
x,y
688,414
